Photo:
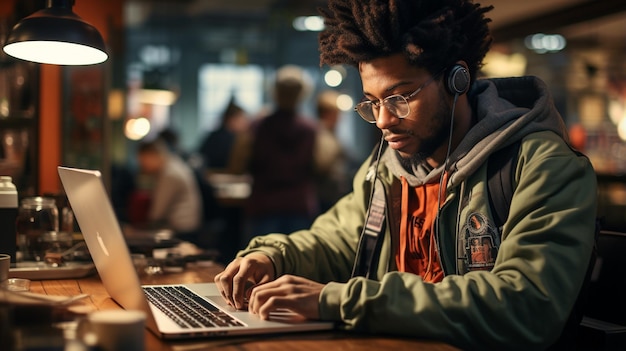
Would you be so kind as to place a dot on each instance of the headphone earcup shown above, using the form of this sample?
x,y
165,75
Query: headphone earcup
x,y
458,80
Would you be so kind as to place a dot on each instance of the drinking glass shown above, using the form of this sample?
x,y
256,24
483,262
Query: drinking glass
x,y
36,216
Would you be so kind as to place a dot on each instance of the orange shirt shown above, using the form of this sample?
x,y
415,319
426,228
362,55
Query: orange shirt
x,y
417,251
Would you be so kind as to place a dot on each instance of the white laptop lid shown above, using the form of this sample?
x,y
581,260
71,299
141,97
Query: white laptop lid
x,y
103,236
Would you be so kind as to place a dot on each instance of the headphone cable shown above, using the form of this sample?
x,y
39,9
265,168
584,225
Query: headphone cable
x,y
441,177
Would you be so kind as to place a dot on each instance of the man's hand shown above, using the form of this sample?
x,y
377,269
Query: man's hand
x,y
241,274
296,294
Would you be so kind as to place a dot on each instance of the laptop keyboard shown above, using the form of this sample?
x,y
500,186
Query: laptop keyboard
x,y
188,309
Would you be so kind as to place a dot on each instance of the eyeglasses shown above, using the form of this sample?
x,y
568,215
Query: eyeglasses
x,y
396,104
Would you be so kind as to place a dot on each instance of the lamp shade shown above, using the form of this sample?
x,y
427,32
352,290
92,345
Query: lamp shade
x,y
156,90
56,35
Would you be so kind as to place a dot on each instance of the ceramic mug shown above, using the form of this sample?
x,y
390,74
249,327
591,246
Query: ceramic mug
x,y
5,265
113,330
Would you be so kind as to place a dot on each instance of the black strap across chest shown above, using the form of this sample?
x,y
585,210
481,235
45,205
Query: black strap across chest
x,y
501,180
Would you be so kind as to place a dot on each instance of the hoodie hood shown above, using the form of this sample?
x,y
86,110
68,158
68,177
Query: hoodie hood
x,y
506,110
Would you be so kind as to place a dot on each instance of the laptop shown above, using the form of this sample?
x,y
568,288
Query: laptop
x,y
111,256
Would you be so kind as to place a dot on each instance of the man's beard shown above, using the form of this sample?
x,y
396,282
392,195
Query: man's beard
x,y
430,145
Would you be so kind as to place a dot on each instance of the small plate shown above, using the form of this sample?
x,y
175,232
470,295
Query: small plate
x,y
41,271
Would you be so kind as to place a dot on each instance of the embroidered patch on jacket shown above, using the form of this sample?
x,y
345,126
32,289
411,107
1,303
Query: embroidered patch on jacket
x,y
481,242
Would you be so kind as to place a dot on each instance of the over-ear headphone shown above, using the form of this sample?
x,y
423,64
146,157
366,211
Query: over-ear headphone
x,y
457,80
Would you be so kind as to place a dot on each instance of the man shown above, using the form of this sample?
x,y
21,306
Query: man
x,y
216,148
331,159
418,60
281,162
175,201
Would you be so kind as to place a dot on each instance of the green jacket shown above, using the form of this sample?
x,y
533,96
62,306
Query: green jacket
x,y
524,300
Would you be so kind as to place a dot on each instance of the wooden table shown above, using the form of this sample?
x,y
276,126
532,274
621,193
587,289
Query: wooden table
x,y
99,299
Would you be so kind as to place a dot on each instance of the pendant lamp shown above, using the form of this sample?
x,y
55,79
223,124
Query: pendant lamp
x,y
156,90
56,35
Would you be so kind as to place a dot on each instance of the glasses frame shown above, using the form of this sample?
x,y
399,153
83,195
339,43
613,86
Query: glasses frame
x,y
404,98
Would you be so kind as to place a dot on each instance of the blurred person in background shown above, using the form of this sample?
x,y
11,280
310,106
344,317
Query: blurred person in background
x,y
174,197
281,164
330,157
217,147
171,139
224,150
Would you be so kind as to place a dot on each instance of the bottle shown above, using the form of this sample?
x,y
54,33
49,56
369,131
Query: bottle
x,y
8,216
